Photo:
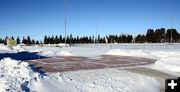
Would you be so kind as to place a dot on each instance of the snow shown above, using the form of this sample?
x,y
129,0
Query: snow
x,y
103,80
14,74
169,63
69,51
123,52
5,47
166,60
64,53
9,49
18,48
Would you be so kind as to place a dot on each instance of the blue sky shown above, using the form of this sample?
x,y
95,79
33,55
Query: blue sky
x,y
37,18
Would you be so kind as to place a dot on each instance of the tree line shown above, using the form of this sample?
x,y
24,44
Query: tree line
x,y
159,36
24,40
152,36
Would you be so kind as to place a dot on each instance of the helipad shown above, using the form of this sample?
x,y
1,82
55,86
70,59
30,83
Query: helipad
x,y
62,64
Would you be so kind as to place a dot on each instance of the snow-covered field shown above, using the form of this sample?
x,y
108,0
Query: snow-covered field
x,y
18,76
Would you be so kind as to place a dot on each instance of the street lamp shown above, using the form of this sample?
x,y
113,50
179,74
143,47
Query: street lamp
x,y
65,7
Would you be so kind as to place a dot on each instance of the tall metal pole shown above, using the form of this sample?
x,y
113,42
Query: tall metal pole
x,y
96,32
65,7
165,36
171,35
171,29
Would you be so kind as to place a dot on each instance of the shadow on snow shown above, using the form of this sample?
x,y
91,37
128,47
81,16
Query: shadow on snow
x,y
21,55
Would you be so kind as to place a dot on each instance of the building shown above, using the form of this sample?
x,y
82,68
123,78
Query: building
x,y
11,42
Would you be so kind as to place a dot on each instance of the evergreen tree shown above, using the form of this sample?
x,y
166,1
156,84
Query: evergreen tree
x,y
41,42
150,36
45,40
140,38
60,39
67,39
18,40
5,40
48,40
163,31
129,38
124,39
98,39
120,39
56,40
33,41
71,39
24,40
1,40
37,42
78,40
175,35
28,40
12,38
159,35
52,40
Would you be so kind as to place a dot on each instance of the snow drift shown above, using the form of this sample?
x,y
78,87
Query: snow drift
x,y
6,48
134,53
169,63
169,60
12,74
63,53
104,80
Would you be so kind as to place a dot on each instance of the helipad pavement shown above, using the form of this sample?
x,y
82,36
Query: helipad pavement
x,y
63,64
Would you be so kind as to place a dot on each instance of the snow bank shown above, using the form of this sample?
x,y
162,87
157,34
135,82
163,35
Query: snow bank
x,y
18,48
64,53
5,47
53,53
12,74
36,50
103,80
9,49
134,53
47,53
158,54
166,59
169,63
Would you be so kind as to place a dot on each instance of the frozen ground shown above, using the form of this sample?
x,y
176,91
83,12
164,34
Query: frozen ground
x,y
16,76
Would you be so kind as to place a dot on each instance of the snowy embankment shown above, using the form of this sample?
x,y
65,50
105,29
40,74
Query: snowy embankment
x,y
17,76
13,74
8,49
167,61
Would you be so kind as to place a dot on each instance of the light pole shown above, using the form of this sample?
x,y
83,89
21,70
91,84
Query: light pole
x,y
171,35
65,8
171,29
96,33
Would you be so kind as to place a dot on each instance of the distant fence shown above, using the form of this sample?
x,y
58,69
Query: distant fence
x,y
132,46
